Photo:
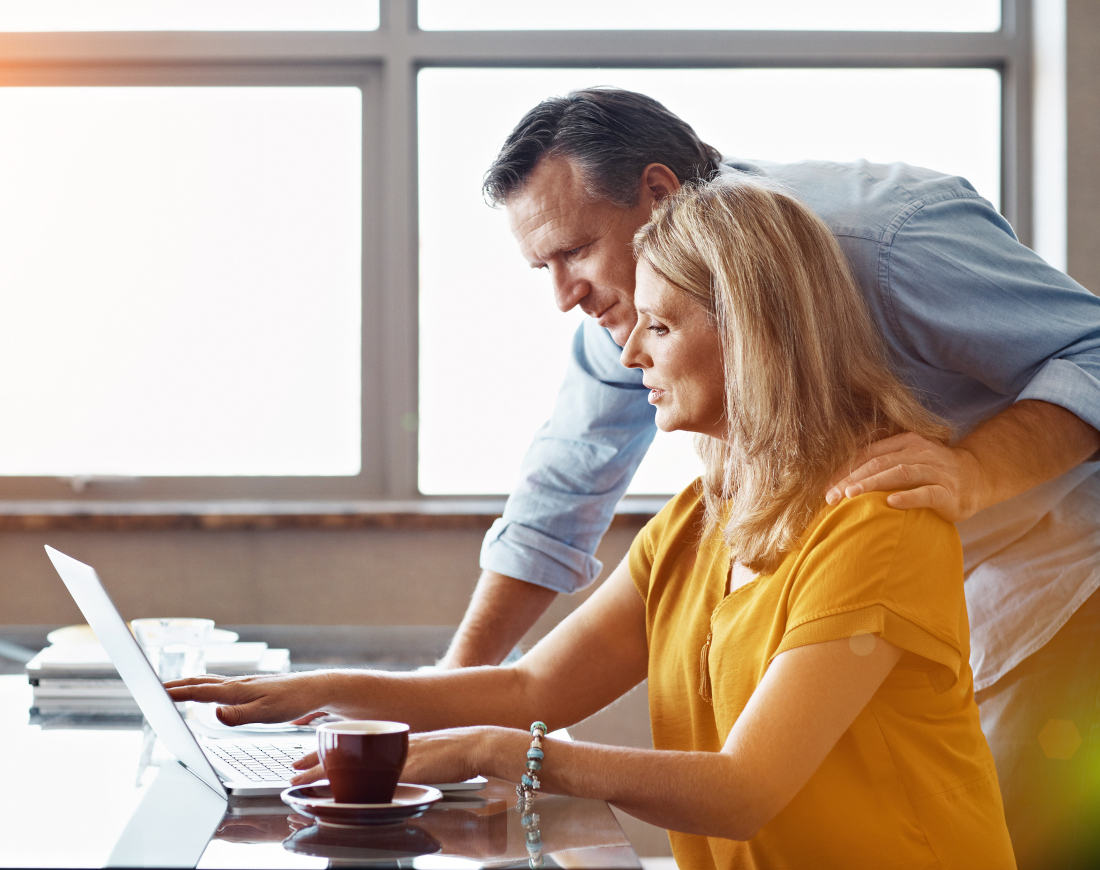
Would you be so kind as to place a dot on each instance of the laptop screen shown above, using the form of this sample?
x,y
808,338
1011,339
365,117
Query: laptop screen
x,y
83,584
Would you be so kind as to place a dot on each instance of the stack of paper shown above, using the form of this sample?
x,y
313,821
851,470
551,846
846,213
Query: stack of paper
x,y
80,678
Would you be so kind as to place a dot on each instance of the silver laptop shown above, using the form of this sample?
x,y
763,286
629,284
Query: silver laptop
x,y
258,766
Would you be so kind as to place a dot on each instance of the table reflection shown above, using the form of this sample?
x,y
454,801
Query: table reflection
x,y
464,830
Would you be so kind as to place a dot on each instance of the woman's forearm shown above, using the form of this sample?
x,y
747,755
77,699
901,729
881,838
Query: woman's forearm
x,y
428,701
703,793
808,698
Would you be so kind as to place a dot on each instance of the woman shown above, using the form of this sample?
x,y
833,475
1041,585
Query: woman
x,y
810,693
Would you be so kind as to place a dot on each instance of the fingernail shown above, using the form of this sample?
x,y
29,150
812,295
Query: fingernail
x,y
832,496
853,491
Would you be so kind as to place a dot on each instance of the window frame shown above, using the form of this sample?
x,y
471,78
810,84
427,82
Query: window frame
x,y
384,64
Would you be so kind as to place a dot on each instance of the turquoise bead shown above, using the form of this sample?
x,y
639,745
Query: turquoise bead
x,y
527,781
538,726
534,764
534,753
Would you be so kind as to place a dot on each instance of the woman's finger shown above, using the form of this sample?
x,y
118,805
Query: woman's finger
x,y
309,717
306,776
204,693
234,716
305,761
200,680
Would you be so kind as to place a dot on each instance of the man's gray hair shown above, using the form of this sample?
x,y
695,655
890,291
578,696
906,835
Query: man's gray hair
x,y
611,134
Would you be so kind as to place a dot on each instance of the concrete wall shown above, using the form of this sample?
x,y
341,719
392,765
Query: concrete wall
x,y
309,576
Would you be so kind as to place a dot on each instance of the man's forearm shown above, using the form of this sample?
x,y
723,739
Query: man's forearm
x,y
500,613
1028,443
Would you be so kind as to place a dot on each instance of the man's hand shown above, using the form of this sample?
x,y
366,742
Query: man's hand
x,y
1028,443
278,698
929,474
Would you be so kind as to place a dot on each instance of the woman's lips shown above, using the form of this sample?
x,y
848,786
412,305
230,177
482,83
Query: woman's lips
x,y
655,395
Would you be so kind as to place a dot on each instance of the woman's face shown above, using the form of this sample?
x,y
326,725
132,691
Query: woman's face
x,y
675,343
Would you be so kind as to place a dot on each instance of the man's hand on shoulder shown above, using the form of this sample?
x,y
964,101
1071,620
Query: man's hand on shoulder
x,y
928,474
1027,444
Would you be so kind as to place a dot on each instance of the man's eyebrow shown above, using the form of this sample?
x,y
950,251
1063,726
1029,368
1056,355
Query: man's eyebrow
x,y
561,247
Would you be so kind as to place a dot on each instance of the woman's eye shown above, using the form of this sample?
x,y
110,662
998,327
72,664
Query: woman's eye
x,y
658,329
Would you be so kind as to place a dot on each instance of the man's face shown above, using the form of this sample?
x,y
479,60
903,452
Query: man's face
x,y
585,244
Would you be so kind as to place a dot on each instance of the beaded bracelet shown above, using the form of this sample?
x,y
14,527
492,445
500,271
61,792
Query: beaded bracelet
x,y
526,792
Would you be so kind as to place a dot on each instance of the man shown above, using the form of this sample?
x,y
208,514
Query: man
x,y
1000,344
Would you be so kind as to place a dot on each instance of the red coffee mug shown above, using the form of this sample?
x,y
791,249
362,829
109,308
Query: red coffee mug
x,y
363,759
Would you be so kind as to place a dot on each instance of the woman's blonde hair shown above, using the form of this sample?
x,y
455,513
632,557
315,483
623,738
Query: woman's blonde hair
x,y
808,380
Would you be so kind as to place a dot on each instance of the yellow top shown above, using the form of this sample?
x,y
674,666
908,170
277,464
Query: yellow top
x,y
911,783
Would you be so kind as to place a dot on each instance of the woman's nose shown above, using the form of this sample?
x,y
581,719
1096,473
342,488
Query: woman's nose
x,y
632,357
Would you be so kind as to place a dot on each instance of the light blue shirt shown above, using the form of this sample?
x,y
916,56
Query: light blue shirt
x,y
975,320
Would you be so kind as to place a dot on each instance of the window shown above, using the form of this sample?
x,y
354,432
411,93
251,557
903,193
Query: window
x,y
184,285
162,15
342,299
928,15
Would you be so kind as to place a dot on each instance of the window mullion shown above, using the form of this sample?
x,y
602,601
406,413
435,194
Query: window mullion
x,y
399,337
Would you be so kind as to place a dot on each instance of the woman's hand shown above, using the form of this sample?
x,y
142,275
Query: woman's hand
x,y
273,698
453,755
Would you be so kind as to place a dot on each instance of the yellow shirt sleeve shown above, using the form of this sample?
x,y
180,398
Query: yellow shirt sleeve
x,y
677,519
867,568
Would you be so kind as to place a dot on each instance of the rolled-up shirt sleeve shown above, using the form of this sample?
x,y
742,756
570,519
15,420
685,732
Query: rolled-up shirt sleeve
x,y
575,471
973,307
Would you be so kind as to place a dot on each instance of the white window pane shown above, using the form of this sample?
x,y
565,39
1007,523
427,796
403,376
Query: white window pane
x,y
180,281
110,15
932,15
492,344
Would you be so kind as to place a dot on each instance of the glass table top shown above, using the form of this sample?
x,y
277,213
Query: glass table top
x,y
83,791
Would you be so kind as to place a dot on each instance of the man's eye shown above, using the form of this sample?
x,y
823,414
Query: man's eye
x,y
572,252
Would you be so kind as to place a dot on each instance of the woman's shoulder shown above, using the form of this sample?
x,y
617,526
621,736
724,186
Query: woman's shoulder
x,y
868,568
862,550
681,513
675,529
870,513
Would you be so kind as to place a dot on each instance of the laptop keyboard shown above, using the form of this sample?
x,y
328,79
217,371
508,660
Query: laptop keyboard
x,y
258,761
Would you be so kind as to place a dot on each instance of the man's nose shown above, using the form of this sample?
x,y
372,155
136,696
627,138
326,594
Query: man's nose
x,y
569,290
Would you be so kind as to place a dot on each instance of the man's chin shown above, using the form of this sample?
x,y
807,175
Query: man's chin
x,y
620,333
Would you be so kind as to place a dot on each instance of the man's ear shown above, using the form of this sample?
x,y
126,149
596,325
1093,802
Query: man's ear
x,y
658,181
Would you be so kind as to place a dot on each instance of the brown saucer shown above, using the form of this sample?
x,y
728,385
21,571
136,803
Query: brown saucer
x,y
315,801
